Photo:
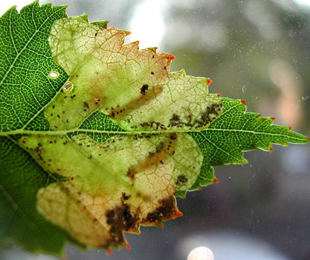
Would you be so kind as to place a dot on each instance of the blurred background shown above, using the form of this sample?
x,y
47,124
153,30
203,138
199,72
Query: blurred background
x,y
256,50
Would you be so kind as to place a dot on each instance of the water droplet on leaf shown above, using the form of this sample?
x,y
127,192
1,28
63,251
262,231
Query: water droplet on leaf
x,y
53,75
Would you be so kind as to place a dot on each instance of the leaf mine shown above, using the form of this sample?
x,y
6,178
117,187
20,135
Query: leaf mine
x,y
118,185
132,86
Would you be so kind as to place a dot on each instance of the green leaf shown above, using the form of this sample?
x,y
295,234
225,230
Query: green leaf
x,y
235,132
21,178
25,59
97,137
26,62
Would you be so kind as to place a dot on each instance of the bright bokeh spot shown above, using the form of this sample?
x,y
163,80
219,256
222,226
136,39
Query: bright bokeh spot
x,y
303,2
147,24
201,253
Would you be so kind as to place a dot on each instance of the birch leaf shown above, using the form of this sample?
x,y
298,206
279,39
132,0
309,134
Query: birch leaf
x,y
97,137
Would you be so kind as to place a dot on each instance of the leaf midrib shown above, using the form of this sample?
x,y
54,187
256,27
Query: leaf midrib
x,y
77,130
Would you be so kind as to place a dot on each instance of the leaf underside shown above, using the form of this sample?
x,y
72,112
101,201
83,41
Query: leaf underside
x,y
97,137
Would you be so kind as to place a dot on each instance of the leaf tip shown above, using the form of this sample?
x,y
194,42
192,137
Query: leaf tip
x,y
215,180
242,101
85,17
171,57
102,24
153,49
160,225
127,246
178,213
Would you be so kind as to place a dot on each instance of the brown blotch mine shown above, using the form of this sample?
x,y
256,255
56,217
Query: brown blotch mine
x,y
173,136
181,179
97,100
120,219
131,173
155,158
136,103
86,105
160,146
206,117
144,88
167,210
112,114
125,196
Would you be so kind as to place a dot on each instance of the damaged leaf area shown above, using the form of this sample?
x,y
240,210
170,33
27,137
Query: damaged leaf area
x,y
132,86
98,137
126,182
